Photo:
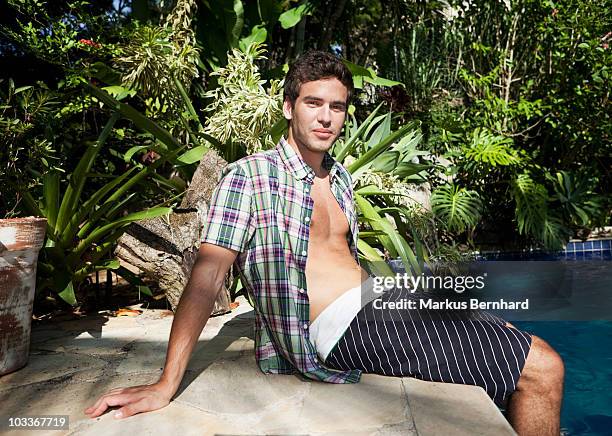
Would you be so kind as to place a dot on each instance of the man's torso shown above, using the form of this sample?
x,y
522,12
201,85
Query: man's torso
x,y
330,268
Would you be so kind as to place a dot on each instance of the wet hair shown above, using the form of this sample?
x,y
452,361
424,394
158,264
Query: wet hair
x,y
315,65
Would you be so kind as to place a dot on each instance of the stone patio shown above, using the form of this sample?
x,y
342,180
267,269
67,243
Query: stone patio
x,y
72,362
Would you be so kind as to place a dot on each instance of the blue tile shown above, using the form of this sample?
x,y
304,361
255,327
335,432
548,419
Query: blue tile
x,y
588,245
597,245
578,246
606,243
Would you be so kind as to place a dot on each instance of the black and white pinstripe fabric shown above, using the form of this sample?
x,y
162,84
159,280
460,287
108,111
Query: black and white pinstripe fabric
x,y
474,348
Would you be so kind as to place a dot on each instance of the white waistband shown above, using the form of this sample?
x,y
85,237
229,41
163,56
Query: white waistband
x,y
327,328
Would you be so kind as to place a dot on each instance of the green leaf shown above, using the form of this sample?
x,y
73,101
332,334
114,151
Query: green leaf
x,y
290,18
67,294
86,208
386,162
393,241
51,202
406,169
133,279
143,289
380,81
381,131
236,29
133,150
377,264
21,89
193,155
457,207
531,204
358,72
373,190
278,129
379,148
258,36
492,149
119,92
99,232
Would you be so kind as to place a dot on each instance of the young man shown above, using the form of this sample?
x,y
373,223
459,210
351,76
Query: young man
x,y
286,218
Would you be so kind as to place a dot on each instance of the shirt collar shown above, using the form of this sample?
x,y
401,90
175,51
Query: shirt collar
x,y
300,169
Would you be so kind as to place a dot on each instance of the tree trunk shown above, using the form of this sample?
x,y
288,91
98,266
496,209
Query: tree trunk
x,y
165,248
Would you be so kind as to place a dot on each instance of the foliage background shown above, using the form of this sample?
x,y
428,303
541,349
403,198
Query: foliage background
x,y
498,110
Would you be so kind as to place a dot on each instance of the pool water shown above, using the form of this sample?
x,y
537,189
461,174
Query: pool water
x,y
586,349
585,346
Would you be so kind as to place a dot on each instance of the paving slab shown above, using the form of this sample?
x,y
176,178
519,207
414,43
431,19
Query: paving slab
x,y
223,392
43,366
460,410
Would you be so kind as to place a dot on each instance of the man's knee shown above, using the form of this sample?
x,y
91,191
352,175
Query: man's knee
x,y
543,367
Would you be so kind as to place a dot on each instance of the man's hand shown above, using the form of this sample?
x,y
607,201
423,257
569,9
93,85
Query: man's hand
x,y
136,399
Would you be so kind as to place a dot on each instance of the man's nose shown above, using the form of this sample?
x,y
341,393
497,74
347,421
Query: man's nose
x,y
324,115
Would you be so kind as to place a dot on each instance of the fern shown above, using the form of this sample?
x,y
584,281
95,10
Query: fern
x,y
459,208
491,149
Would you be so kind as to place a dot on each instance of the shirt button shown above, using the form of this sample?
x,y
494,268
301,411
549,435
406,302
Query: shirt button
x,y
304,252
305,326
307,219
301,290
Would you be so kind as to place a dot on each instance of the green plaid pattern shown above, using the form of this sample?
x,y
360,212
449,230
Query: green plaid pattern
x,y
262,209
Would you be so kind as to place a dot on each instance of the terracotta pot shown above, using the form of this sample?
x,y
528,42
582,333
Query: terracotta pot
x,y
20,241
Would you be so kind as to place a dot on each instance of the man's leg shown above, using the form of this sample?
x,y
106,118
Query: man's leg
x,y
535,406
479,349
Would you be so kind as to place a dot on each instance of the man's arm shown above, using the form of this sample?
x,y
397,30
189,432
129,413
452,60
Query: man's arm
x,y
194,309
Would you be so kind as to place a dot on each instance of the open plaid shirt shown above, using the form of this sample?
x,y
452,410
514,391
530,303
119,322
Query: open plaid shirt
x,y
262,209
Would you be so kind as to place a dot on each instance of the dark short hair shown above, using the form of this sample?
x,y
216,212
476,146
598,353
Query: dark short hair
x,y
315,65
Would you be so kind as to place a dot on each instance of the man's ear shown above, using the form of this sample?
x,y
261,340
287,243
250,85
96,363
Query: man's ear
x,y
287,109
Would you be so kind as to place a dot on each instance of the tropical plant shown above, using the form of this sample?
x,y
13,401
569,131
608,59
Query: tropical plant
x,y
159,60
81,232
457,207
582,207
382,163
26,146
487,148
242,113
531,200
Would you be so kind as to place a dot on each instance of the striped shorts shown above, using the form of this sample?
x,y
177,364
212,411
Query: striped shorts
x,y
451,346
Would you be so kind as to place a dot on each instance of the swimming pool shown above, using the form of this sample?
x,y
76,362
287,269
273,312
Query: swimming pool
x,y
581,335
585,346
586,349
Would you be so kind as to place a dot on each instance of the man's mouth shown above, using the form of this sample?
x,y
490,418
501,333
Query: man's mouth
x,y
323,133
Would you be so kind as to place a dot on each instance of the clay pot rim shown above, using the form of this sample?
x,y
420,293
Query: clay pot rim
x,y
27,219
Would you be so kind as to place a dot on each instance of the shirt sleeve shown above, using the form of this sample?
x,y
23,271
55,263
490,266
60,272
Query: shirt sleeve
x,y
229,220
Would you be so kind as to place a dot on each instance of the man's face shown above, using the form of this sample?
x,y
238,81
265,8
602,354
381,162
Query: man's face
x,y
318,114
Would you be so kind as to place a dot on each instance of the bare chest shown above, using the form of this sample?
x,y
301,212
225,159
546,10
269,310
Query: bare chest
x,y
328,220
